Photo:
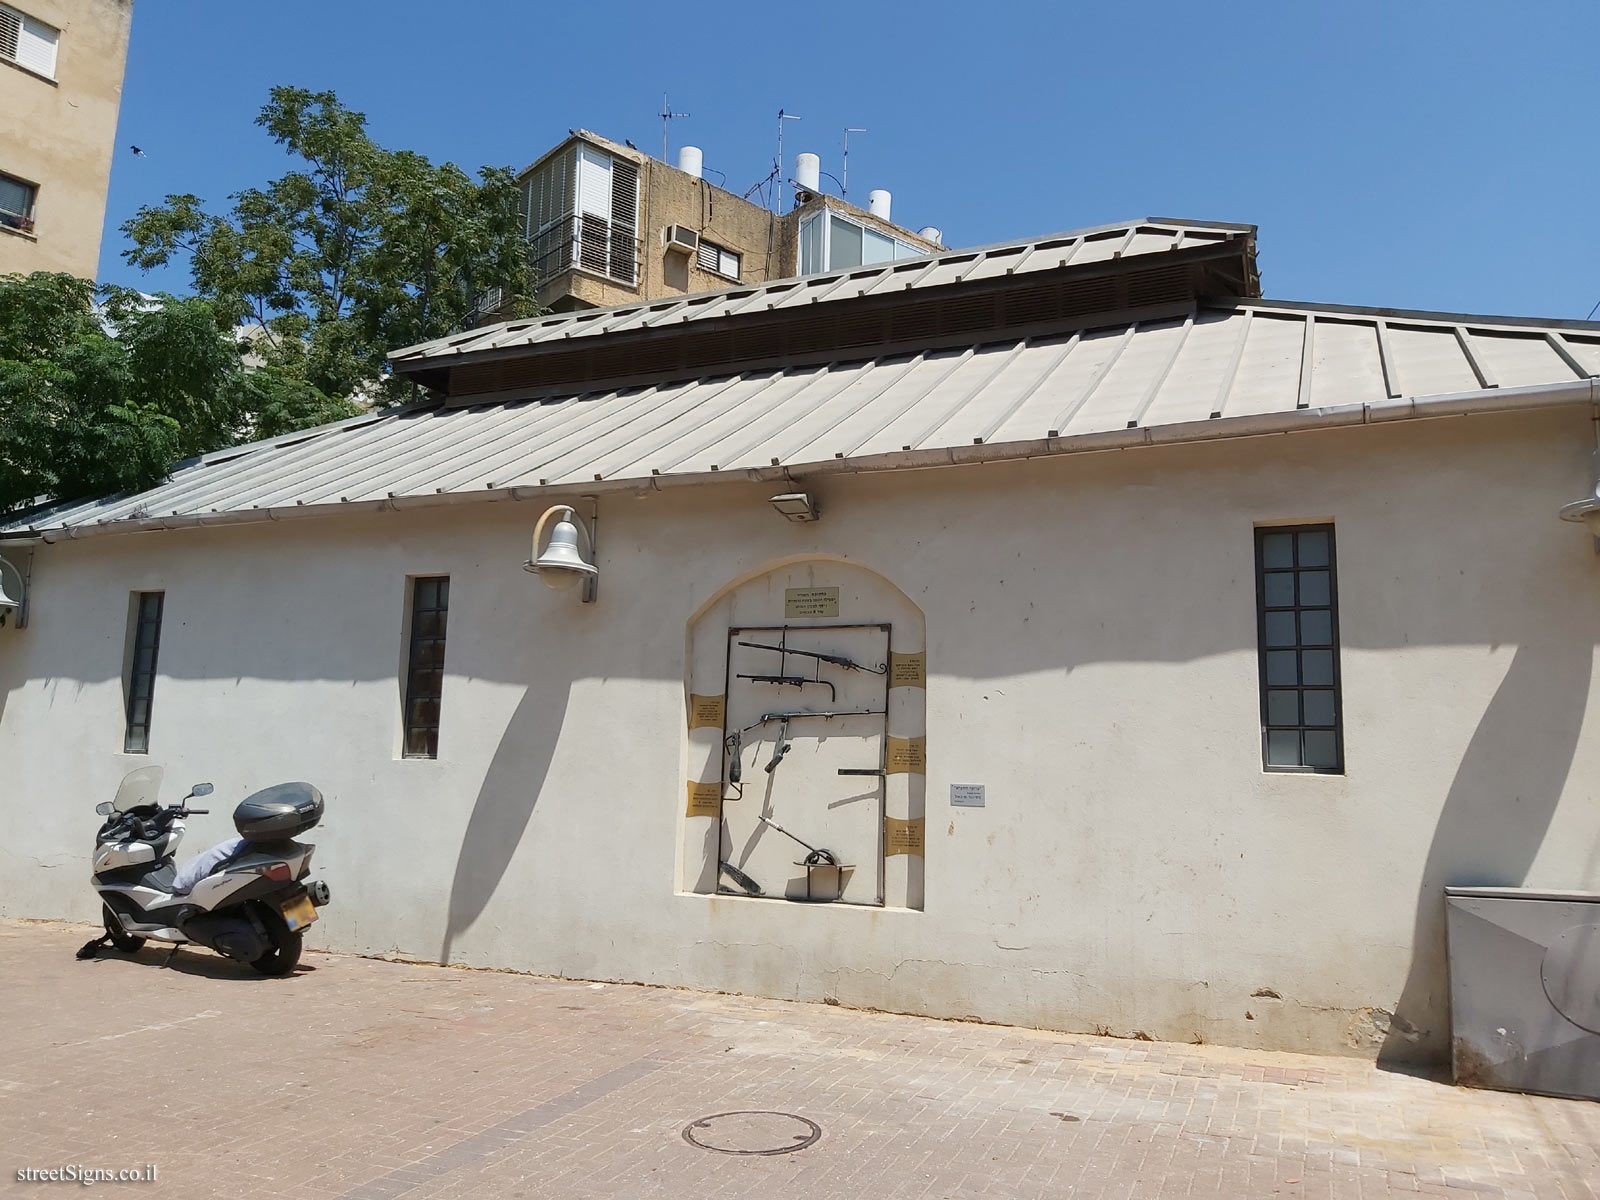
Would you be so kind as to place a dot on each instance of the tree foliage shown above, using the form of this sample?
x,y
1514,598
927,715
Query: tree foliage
x,y
356,251
100,390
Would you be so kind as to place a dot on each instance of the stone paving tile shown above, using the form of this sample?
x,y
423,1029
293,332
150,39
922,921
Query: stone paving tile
x,y
369,1080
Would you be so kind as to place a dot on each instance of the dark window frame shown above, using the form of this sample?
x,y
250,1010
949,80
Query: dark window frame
x,y
145,613
23,221
424,668
1299,648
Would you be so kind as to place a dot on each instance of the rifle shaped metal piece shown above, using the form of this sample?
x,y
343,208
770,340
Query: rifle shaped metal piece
x,y
734,743
799,681
838,660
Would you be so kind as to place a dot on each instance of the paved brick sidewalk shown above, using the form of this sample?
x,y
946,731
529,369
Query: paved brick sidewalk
x,y
379,1080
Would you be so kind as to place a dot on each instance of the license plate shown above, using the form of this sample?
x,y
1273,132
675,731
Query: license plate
x,y
299,912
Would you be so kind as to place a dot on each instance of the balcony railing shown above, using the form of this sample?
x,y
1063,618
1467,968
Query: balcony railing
x,y
589,243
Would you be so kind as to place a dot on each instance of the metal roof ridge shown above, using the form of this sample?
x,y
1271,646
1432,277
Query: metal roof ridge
x,y
1428,316
553,320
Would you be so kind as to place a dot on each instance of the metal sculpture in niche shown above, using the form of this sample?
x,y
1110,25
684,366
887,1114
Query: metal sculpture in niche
x,y
805,806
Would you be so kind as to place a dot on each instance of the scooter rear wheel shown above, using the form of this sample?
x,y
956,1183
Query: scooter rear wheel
x,y
120,938
286,944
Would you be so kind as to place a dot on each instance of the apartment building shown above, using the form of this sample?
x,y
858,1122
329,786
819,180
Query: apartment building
x,y
608,224
61,66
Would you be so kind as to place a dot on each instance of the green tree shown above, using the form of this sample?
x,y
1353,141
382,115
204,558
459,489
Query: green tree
x,y
356,251
100,390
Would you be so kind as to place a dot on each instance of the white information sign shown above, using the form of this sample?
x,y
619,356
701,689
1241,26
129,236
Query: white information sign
x,y
966,795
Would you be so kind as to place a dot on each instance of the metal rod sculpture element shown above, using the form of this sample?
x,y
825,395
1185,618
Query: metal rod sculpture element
x,y
816,857
780,747
838,660
799,681
749,886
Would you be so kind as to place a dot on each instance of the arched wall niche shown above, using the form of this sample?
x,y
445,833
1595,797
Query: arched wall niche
x,y
824,787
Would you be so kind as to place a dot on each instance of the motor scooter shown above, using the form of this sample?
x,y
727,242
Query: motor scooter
x,y
248,898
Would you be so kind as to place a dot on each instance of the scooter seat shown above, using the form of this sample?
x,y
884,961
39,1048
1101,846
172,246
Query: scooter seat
x,y
206,862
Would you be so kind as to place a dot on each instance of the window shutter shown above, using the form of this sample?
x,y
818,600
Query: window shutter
x,y
10,32
16,197
594,182
624,219
36,47
708,256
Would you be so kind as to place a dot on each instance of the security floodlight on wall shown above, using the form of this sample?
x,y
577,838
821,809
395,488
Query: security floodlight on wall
x,y
13,596
796,506
1587,510
562,564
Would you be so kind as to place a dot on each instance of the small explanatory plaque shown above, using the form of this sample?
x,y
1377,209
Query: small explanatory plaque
x,y
810,602
966,795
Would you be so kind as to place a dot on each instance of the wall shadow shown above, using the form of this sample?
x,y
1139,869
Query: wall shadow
x,y
504,806
1493,822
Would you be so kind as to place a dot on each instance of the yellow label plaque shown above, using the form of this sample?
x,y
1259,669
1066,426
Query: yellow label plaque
x,y
705,711
908,670
907,756
811,602
705,799
903,837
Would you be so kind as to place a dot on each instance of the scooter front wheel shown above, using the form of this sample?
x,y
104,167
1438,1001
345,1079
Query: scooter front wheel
x,y
120,937
286,944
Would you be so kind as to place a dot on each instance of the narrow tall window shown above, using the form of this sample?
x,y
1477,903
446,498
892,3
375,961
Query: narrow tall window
x,y
1297,610
144,643
430,606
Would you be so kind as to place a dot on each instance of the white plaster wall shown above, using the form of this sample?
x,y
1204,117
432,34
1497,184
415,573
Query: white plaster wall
x,y
1090,627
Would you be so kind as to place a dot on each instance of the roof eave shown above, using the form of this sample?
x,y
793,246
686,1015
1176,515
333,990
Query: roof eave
x,y
1480,402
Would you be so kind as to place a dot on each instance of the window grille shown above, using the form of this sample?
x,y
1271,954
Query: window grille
x,y
430,610
1297,609
144,645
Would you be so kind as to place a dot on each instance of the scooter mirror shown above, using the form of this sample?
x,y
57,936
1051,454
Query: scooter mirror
x,y
104,808
201,789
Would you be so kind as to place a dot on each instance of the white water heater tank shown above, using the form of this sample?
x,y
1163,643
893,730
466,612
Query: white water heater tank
x,y
808,172
690,160
878,204
931,233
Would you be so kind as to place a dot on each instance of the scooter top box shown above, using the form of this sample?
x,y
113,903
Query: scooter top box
x,y
278,812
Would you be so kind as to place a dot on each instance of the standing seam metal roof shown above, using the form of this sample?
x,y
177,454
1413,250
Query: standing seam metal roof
x,y
1219,366
1101,244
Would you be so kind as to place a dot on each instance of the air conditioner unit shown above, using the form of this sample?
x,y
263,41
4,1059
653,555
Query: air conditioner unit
x,y
682,240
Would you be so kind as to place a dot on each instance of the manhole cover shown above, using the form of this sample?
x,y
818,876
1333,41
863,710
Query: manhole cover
x,y
752,1133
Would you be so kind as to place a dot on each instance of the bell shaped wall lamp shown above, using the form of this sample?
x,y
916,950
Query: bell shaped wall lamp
x,y
562,564
13,596
1587,510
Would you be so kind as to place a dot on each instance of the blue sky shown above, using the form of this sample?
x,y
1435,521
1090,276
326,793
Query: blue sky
x,y
1409,154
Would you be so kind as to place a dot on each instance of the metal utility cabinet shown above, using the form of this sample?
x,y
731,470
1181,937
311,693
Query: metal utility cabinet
x,y
1525,989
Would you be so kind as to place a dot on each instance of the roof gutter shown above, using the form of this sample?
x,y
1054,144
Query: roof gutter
x,y
1486,402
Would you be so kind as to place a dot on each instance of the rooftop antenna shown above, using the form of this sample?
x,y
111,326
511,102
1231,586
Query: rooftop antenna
x,y
782,117
666,114
844,184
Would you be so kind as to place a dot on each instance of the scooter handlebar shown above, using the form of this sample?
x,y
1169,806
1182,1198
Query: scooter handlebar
x,y
197,811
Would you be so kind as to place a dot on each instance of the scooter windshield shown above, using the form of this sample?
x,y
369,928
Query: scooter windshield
x,y
138,787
